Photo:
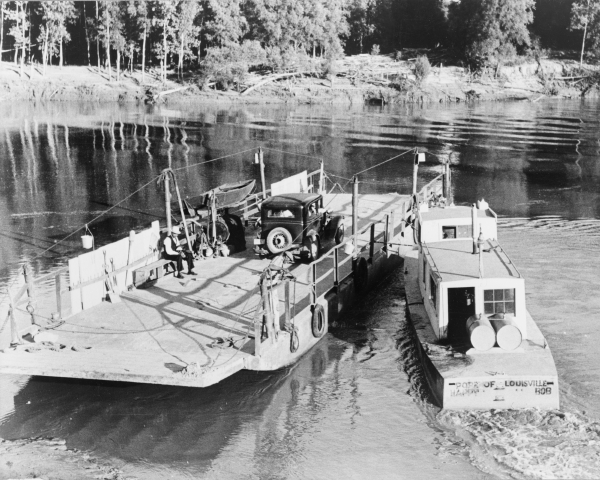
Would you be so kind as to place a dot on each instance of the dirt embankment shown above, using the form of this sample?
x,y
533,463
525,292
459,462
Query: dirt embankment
x,y
359,79
50,459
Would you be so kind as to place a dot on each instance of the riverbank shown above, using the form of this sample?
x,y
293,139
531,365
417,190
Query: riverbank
x,y
360,79
50,459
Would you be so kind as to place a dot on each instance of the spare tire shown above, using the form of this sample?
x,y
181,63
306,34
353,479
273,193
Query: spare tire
x,y
279,240
319,321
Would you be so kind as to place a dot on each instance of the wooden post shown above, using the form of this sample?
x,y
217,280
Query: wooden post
x,y
474,228
262,172
415,172
187,235
14,331
313,285
213,216
267,315
168,202
30,293
58,288
355,216
336,267
403,218
288,319
445,180
372,243
448,194
386,235
321,180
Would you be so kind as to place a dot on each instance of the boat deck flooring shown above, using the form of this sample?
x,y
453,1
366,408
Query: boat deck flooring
x,y
172,332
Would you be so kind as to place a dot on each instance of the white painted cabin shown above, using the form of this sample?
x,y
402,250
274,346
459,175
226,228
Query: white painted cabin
x,y
451,282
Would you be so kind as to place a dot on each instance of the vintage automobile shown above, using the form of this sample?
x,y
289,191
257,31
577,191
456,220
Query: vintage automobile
x,y
298,223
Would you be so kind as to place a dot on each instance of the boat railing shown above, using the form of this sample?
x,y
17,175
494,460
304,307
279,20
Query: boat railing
x,y
435,186
503,257
434,268
380,232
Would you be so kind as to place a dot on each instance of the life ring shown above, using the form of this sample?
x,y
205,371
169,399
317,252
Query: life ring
x,y
319,321
361,275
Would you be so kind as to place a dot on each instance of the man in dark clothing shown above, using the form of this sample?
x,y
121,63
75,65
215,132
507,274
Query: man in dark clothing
x,y
172,250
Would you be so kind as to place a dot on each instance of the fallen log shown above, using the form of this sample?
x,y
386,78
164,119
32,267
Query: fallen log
x,y
270,79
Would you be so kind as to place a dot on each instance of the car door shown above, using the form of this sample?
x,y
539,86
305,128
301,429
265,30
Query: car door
x,y
313,218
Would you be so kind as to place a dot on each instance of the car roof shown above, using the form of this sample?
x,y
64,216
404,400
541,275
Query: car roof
x,y
291,199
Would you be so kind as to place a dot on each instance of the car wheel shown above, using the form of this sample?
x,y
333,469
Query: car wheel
x,y
339,235
279,240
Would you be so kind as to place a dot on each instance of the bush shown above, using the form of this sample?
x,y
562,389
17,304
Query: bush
x,y
230,64
422,68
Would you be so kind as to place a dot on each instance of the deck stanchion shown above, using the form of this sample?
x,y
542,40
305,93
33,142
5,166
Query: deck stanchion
x,y
288,319
313,285
30,293
372,243
168,201
58,288
355,219
262,172
415,173
15,337
474,228
386,235
336,268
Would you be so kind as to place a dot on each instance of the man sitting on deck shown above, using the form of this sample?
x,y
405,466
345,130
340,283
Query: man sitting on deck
x,y
173,251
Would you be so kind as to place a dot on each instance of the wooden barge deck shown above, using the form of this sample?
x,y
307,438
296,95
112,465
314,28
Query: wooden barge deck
x,y
201,329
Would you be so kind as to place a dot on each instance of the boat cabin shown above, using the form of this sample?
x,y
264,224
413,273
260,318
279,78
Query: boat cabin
x,y
457,284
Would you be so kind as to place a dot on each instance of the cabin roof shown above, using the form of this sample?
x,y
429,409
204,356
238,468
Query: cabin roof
x,y
453,212
454,261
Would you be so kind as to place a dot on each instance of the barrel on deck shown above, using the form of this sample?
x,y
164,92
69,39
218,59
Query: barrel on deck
x,y
480,332
508,335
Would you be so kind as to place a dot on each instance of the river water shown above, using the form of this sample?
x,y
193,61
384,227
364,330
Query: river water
x,y
355,406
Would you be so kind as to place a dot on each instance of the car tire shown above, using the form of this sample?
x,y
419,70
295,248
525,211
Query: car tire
x,y
339,235
279,240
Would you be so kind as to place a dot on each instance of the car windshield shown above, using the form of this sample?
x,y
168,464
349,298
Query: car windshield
x,y
281,213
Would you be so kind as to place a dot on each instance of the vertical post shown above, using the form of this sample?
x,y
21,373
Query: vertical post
x,y
58,289
168,201
448,194
386,235
336,267
474,228
445,180
288,319
415,172
355,216
262,172
372,243
187,235
30,294
14,332
403,218
213,216
313,285
321,180
264,292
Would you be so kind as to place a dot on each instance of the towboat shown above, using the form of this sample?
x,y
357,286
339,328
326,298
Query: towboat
x,y
479,346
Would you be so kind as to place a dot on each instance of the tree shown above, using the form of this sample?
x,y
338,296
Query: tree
x,y
361,22
19,30
167,10
225,24
491,31
139,25
53,32
585,14
185,29
1,28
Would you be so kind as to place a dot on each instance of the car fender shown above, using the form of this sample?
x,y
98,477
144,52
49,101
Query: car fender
x,y
333,225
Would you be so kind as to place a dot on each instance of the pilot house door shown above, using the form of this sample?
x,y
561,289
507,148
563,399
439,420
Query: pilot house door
x,y
461,305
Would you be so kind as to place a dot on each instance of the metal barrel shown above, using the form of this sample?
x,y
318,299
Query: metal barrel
x,y
480,332
508,335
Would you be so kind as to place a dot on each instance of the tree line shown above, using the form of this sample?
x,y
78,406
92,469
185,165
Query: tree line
x,y
223,39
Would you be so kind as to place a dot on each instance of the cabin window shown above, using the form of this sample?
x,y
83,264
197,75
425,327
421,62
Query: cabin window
x,y
499,301
432,291
464,231
448,232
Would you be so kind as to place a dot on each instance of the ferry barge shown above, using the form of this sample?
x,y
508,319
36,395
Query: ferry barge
x,y
478,344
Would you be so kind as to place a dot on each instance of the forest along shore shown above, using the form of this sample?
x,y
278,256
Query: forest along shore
x,y
362,78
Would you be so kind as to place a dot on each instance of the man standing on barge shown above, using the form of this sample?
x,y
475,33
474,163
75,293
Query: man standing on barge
x,y
172,250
